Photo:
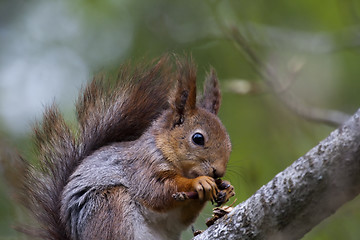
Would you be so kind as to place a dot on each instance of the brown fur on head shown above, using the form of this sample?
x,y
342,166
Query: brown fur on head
x,y
192,137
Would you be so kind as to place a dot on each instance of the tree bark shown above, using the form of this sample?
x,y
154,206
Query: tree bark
x,y
301,196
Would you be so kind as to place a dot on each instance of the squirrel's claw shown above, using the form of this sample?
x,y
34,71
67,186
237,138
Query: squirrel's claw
x,y
180,196
225,193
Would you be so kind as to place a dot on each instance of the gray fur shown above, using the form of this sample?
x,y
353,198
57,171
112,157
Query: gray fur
x,y
112,166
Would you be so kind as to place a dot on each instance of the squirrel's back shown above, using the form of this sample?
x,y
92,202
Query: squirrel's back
x,y
106,112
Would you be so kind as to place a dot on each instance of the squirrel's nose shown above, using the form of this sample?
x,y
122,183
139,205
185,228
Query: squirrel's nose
x,y
218,172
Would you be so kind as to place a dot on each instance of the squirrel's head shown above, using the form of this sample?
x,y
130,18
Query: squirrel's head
x,y
191,136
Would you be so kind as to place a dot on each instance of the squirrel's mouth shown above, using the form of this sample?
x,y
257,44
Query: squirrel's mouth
x,y
196,173
204,169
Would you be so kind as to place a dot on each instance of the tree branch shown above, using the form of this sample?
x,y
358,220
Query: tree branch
x,y
301,196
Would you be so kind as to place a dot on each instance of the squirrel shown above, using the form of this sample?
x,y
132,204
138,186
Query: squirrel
x,y
145,158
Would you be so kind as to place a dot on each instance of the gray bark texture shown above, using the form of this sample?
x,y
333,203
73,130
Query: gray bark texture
x,y
301,196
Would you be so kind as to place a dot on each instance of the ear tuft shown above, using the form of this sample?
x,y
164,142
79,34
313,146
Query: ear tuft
x,y
180,104
184,100
211,98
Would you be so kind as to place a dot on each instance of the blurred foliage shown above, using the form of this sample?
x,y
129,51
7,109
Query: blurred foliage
x,y
102,34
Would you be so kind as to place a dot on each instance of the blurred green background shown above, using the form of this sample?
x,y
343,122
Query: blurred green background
x,y
49,49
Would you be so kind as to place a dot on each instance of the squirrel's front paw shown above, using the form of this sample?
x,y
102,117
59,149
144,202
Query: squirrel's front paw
x,y
180,196
226,192
206,188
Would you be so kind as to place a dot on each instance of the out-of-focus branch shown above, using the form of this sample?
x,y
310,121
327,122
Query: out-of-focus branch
x,y
273,80
269,75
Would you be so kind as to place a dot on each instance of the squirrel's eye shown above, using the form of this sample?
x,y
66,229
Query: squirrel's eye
x,y
198,139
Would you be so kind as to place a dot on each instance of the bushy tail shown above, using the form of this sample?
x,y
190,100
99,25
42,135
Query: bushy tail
x,y
107,112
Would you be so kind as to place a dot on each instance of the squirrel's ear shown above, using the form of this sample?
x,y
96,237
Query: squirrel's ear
x,y
184,100
211,97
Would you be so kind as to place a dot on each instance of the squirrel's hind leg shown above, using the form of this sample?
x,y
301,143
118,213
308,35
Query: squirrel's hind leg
x,y
111,216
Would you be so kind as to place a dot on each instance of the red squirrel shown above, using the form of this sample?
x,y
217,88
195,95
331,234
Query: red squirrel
x,y
141,164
